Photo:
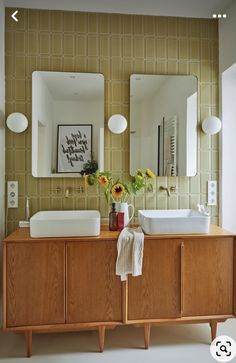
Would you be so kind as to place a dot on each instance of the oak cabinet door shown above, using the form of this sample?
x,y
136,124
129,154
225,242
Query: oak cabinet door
x,y
93,289
35,283
157,292
208,276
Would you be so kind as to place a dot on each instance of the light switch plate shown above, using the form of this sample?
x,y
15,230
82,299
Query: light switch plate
x,y
212,192
12,194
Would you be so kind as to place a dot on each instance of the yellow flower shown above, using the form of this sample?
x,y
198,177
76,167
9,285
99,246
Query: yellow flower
x,y
117,190
140,173
150,174
103,181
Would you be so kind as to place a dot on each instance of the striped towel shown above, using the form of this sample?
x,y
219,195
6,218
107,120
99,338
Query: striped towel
x,y
130,246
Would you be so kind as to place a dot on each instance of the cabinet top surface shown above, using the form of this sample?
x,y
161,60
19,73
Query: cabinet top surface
x,y
23,235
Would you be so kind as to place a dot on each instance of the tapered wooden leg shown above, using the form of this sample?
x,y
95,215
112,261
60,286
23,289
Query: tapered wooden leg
x,y
28,338
147,328
101,332
213,325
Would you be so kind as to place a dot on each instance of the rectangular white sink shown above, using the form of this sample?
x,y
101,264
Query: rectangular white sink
x,y
173,221
67,223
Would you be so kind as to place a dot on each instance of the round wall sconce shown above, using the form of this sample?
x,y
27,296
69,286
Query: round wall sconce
x,y
117,124
17,122
211,125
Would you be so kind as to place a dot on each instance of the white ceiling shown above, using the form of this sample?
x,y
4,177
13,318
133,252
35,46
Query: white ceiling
x,y
183,8
67,86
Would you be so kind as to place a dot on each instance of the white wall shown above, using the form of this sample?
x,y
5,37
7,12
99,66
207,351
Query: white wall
x,y
227,32
177,90
227,67
2,130
228,149
42,127
143,143
148,139
152,141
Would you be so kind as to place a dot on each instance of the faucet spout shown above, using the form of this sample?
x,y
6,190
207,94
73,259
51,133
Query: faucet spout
x,y
68,192
165,189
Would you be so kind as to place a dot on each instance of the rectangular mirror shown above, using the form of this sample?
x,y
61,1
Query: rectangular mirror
x,y
67,123
163,124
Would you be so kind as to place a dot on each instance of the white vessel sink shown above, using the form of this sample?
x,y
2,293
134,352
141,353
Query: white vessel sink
x,y
65,223
173,221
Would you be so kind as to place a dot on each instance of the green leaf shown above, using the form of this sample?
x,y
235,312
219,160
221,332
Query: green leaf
x,y
129,187
117,181
150,187
97,174
91,179
107,192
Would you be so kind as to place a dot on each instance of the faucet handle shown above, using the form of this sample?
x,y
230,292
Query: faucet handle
x,y
80,189
172,189
203,209
56,190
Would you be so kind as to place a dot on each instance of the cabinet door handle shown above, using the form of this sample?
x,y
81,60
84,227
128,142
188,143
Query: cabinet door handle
x,y
182,277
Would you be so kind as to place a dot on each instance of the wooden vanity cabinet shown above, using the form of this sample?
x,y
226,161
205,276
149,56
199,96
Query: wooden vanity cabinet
x,y
94,292
68,284
35,281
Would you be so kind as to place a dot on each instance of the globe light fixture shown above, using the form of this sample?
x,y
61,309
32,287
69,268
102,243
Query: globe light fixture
x,y
211,125
17,122
117,124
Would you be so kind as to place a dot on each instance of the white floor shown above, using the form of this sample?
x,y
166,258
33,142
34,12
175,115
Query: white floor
x,y
169,344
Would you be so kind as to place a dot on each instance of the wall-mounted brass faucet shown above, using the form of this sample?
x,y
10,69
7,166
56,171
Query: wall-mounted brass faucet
x,y
67,192
170,190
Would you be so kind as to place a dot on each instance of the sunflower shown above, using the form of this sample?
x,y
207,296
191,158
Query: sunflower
x,y
150,174
140,173
103,181
118,190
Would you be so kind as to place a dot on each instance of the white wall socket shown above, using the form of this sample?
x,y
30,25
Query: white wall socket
x,y
12,194
212,192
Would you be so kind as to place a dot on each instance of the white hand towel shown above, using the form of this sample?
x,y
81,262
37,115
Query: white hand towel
x,y
138,245
130,246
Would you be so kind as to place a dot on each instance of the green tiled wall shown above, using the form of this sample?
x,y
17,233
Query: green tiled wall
x,y
117,46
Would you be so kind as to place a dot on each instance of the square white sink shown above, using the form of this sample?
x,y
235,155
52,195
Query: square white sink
x,y
67,223
173,221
